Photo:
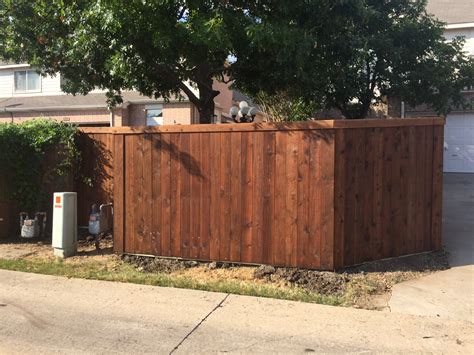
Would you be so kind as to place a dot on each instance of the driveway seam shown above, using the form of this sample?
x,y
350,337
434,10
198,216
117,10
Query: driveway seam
x,y
199,324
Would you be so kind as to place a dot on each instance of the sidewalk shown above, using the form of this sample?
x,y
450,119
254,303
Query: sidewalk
x,y
45,314
448,294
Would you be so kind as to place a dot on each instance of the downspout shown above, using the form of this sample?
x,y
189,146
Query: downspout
x,y
112,117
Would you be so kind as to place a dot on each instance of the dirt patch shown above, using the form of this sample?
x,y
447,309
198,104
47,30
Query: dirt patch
x,y
366,286
88,249
152,264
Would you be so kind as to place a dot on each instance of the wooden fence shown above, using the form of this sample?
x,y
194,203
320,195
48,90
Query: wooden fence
x,y
95,181
321,195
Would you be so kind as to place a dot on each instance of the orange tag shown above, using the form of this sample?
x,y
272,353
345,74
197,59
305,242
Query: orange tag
x,y
58,199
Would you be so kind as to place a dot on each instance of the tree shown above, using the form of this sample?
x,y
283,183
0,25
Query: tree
x,y
363,50
345,54
160,48
394,47
281,107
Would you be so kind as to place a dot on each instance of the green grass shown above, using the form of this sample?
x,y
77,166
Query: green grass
x,y
127,273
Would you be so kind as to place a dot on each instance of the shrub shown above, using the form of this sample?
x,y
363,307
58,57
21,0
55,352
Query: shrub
x,y
36,157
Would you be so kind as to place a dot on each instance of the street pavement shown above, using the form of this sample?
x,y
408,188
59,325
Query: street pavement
x,y
47,314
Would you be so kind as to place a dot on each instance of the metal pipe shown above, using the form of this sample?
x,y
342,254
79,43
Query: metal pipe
x,y
107,205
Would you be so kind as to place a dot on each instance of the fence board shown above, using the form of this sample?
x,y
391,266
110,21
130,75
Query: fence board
x,y
437,188
247,192
119,193
163,149
225,197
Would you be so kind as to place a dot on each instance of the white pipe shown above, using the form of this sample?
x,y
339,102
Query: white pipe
x,y
402,109
112,117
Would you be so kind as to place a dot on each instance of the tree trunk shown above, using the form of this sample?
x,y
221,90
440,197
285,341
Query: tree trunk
x,y
204,81
206,112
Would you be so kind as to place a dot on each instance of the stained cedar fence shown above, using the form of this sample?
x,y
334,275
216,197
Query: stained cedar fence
x,y
95,181
320,195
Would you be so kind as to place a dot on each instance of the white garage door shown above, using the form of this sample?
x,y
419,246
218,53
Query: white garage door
x,y
459,143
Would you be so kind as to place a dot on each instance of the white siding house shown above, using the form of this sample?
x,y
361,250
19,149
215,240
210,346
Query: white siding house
x,y
459,129
46,85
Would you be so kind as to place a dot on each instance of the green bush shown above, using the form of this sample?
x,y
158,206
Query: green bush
x,y
34,156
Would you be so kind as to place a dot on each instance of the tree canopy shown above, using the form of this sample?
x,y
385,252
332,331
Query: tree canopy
x,y
345,54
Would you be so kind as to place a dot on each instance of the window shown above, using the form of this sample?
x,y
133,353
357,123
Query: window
x,y
154,115
27,80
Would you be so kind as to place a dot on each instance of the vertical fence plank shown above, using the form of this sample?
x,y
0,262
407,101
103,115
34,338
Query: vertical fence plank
x,y
185,191
327,151
236,196
339,198
225,197
420,176
163,148
119,193
404,189
428,188
281,186
195,175
215,185
129,194
437,188
259,188
175,182
358,193
268,196
156,200
387,231
367,230
411,188
205,197
291,203
378,193
395,208
147,216
247,186
139,207
349,196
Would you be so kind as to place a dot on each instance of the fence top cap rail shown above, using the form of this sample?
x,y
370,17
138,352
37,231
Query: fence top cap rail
x,y
271,126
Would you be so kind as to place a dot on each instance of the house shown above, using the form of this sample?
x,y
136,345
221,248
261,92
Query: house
x,y
25,95
459,129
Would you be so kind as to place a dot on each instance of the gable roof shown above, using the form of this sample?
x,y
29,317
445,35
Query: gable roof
x,y
452,11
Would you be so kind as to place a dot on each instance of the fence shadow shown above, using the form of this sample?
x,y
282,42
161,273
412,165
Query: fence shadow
x,y
184,158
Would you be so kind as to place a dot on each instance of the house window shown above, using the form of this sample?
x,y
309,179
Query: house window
x,y
27,80
154,115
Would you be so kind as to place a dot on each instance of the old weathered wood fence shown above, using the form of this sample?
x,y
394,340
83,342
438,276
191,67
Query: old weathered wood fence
x,y
322,194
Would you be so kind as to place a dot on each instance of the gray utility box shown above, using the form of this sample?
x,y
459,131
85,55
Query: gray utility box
x,y
65,224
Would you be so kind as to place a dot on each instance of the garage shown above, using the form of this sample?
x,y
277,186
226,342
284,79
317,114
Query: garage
x,y
459,143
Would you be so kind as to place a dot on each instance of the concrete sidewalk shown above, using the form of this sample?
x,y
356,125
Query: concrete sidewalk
x,y
448,294
45,314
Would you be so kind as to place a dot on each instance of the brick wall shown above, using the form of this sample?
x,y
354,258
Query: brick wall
x,y
173,113
84,116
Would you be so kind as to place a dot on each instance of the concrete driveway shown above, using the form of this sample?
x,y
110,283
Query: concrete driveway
x,y
44,314
448,294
